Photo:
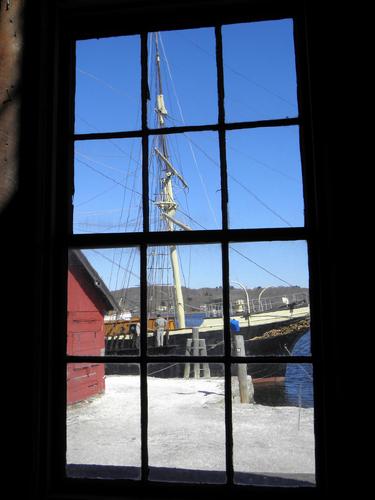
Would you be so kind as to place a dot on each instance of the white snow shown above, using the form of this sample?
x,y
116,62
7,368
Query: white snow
x,y
186,429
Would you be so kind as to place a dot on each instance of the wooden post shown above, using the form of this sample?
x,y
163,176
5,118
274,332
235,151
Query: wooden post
x,y
242,370
199,349
187,353
196,351
206,366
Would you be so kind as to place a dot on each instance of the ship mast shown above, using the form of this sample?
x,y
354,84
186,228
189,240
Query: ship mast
x,y
167,204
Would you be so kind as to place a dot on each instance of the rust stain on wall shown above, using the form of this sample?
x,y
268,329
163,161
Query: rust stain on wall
x,y
10,72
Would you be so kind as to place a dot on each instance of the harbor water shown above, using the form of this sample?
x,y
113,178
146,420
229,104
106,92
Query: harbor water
x,y
297,390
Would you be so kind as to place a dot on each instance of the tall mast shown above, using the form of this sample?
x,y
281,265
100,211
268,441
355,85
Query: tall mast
x,y
167,204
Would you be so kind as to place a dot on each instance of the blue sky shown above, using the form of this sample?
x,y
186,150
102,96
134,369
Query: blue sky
x,y
261,264
264,167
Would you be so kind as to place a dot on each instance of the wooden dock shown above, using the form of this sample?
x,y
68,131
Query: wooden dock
x,y
259,319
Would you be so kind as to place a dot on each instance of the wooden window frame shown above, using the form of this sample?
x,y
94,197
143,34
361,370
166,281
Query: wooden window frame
x,y
94,19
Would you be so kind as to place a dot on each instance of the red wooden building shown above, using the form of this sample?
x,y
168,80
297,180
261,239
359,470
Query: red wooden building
x,y
88,301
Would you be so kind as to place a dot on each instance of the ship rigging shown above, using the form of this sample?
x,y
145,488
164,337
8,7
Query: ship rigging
x,y
167,183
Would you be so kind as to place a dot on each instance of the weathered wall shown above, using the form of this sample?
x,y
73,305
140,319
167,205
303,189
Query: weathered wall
x,y
11,40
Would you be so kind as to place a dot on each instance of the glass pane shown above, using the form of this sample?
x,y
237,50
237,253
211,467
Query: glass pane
x,y
273,425
269,298
103,302
265,178
184,182
99,407
185,291
108,85
107,186
182,78
259,71
186,426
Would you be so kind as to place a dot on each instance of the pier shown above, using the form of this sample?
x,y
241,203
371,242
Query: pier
x,y
254,320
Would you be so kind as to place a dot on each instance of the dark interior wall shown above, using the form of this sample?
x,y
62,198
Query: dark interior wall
x,y
25,222
22,101
11,44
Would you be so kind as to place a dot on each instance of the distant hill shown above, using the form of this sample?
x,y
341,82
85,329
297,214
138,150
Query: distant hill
x,y
195,298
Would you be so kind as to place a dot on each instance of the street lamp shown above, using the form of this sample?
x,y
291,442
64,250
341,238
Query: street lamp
x,y
261,293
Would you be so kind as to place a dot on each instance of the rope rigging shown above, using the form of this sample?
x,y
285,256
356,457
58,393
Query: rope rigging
x,y
163,177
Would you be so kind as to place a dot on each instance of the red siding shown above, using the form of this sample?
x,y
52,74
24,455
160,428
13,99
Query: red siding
x,y
85,333
85,337
84,380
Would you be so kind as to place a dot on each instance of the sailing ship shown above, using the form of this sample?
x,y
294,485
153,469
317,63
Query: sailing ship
x,y
267,333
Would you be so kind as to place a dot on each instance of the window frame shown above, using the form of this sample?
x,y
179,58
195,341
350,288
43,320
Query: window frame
x,y
62,239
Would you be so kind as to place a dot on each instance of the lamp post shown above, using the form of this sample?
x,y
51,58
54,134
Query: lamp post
x,y
261,293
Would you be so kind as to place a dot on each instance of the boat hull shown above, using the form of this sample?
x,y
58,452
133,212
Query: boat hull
x,y
260,340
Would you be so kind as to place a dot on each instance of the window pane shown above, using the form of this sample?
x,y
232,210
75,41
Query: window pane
x,y
185,289
273,430
182,72
108,85
103,302
184,180
269,280
186,426
265,178
107,186
259,71
99,407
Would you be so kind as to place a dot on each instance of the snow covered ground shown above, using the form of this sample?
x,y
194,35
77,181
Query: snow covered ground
x,y
186,430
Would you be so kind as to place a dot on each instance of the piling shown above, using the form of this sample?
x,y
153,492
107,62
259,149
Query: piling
x,y
196,351
197,347
242,370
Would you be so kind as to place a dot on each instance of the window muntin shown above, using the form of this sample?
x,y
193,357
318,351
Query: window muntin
x,y
177,425
279,431
107,186
198,298
108,90
103,294
219,237
278,295
196,186
188,73
259,71
264,178
95,440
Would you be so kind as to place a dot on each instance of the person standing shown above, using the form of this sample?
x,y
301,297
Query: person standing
x,y
134,331
161,325
138,335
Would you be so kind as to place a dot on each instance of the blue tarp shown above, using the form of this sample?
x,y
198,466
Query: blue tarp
x,y
234,325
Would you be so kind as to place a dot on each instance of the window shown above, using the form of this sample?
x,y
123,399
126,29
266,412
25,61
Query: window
x,y
244,123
